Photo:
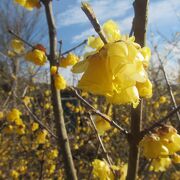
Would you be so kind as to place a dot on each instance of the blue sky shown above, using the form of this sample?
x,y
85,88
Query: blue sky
x,y
73,26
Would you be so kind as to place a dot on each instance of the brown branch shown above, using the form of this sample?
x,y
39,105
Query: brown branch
x,y
159,122
36,119
139,28
168,84
101,144
18,37
92,18
63,141
97,112
74,48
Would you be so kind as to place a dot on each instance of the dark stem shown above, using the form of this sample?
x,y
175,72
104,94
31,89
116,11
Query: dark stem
x,y
159,122
168,84
63,141
97,112
139,28
18,37
92,18
74,48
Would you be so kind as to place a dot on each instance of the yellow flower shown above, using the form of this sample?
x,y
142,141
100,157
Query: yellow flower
x,y
111,31
1,115
123,171
47,106
29,4
27,100
47,93
146,52
20,129
70,60
160,164
9,129
13,115
14,174
176,158
153,147
37,57
169,138
17,45
53,70
53,154
102,125
115,69
145,89
97,78
59,81
34,126
41,137
162,99
128,95
102,170
156,105
95,42
11,54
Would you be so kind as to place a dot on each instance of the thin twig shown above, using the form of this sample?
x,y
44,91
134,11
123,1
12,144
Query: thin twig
x,y
62,136
159,122
74,48
91,168
139,28
168,84
101,143
114,124
37,119
92,18
14,34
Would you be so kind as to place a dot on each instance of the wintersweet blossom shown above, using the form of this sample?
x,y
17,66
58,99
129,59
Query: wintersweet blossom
x,y
70,60
29,4
116,70
102,125
160,164
17,46
37,57
59,81
102,170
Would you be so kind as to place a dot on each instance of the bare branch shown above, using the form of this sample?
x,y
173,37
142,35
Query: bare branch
x,y
104,116
92,18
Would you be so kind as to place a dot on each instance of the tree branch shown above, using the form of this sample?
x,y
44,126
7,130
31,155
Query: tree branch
x,y
97,112
92,18
139,28
159,122
63,141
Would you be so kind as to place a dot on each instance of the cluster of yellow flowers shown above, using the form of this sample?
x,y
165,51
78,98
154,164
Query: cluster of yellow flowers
x,y
29,4
116,70
14,118
37,55
59,81
102,125
17,46
102,170
160,145
70,60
